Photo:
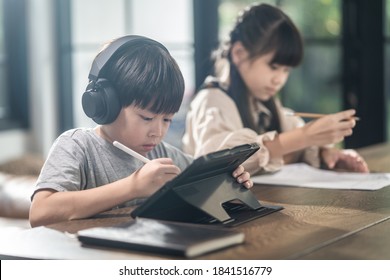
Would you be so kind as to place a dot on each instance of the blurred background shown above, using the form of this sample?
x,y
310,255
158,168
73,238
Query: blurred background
x,y
47,47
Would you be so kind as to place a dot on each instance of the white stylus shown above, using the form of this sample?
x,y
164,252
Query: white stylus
x,y
130,152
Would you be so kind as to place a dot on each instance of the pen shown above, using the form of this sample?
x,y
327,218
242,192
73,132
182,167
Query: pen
x,y
311,115
130,152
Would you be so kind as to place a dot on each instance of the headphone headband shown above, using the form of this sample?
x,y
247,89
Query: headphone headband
x,y
100,101
102,58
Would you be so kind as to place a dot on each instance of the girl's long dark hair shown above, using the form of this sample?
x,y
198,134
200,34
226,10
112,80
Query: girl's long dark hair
x,y
261,29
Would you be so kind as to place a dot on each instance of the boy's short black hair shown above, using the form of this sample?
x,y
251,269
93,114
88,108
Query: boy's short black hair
x,y
144,74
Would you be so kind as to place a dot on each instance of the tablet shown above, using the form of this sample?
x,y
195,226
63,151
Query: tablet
x,y
206,192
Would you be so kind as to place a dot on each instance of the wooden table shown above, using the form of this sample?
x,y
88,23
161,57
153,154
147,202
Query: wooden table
x,y
314,224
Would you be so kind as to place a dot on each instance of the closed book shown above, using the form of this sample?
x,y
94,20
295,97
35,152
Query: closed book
x,y
162,237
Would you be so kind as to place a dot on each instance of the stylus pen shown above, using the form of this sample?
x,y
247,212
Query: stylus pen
x,y
130,152
311,115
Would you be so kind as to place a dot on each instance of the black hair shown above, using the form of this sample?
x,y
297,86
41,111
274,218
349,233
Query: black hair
x,y
145,75
261,29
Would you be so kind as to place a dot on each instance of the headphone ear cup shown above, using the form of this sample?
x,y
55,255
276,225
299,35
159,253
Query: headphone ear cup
x,y
100,102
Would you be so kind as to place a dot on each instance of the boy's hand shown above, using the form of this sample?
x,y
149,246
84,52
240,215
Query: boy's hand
x,y
243,177
154,174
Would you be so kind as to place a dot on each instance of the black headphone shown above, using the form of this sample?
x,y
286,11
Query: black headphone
x,y
100,101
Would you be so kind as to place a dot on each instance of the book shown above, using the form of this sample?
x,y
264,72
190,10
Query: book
x,y
163,237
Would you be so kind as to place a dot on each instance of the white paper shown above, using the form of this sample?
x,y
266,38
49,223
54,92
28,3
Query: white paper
x,y
303,175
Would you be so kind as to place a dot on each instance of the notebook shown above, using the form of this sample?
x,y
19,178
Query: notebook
x,y
162,237
206,192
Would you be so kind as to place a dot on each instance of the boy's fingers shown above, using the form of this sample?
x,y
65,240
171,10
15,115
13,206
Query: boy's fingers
x,y
248,184
239,170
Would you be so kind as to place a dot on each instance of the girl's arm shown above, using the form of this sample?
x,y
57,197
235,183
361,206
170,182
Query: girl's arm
x,y
344,160
326,130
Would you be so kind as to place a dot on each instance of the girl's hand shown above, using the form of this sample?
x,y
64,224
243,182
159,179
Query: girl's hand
x,y
153,175
243,177
347,160
329,129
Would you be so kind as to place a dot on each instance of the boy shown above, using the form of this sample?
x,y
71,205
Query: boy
x,y
135,89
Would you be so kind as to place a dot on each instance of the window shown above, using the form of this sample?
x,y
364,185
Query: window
x,y
387,62
316,84
13,65
4,107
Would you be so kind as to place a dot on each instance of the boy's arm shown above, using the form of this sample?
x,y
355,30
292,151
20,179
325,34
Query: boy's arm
x,y
49,206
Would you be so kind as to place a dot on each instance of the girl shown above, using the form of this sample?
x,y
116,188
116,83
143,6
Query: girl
x,y
239,105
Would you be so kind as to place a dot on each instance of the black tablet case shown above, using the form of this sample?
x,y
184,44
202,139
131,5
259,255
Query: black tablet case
x,y
206,192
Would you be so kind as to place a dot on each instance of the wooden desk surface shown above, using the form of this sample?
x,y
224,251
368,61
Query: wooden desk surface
x,y
315,224
377,157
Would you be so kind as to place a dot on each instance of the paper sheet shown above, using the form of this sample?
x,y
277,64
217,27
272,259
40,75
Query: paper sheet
x,y
303,175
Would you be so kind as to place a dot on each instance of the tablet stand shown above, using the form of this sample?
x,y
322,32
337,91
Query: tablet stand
x,y
206,192
219,190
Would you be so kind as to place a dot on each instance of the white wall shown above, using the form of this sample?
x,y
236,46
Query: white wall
x,y
13,144
43,83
